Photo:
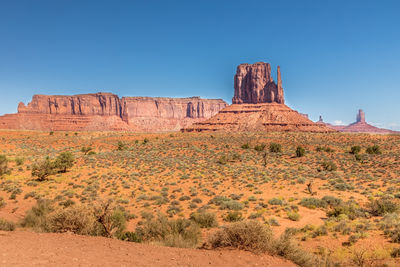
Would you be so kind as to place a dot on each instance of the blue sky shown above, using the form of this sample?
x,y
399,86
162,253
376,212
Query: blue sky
x,y
335,56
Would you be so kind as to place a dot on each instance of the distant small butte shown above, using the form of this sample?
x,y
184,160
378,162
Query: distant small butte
x,y
359,126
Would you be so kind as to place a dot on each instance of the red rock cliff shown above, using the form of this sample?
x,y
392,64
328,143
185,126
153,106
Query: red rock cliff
x,y
106,111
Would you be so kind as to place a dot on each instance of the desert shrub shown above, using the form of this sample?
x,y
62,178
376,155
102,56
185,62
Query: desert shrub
x,y
3,165
222,160
19,161
312,203
247,235
172,233
259,147
75,219
86,150
331,200
42,170
329,166
111,220
64,161
121,146
131,237
204,219
287,247
355,150
233,216
275,148
379,207
36,217
276,201
294,216
2,202
245,146
300,151
6,225
350,209
395,253
374,150
324,149
231,205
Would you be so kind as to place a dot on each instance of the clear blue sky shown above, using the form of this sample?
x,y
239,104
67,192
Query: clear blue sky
x,y
335,56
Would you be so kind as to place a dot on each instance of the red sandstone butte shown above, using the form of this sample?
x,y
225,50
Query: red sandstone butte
x,y
258,105
108,112
360,126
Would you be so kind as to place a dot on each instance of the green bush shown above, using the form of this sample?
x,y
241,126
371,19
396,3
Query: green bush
x,y
300,151
233,216
245,146
294,216
329,166
312,203
6,225
64,161
275,148
42,170
86,150
121,146
204,219
260,147
247,235
379,207
36,217
355,150
374,150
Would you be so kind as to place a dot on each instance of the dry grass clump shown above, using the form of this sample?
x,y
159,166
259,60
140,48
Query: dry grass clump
x,y
104,219
256,237
172,233
6,225
247,235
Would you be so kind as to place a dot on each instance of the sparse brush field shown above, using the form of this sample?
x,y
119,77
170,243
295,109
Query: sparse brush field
x,y
335,195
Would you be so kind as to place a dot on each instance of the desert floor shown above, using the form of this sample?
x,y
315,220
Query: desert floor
x,y
177,174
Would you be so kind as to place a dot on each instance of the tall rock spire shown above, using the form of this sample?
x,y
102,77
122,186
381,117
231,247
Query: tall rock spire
x,y
360,116
279,97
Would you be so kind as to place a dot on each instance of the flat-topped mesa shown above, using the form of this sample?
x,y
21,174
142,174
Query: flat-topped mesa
x,y
360,116
108,112
254,84
102,104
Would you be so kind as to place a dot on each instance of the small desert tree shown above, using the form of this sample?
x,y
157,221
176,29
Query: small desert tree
x,y
43,169
64,161
300,151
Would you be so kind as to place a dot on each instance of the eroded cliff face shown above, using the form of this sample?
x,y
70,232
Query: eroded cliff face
x,y
254,84
106,111
102,104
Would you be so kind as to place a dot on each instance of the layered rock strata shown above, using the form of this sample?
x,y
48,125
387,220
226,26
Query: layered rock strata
x,y
108,112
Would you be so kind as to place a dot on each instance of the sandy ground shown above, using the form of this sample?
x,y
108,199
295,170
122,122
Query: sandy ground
x,y
24,248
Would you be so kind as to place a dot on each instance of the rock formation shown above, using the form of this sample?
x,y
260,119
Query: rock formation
x,y
106,111
258,105
254,84
360,126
